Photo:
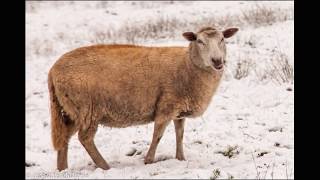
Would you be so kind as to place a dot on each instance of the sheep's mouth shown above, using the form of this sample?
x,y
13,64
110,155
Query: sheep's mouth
x,y
217,65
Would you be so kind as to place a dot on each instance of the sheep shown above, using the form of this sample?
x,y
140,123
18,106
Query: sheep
x,y
127,85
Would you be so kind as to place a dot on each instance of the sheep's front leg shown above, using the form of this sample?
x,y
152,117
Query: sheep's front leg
x,y
179,127
159,127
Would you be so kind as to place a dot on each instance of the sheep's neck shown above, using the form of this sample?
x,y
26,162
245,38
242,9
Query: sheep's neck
x,y
203,84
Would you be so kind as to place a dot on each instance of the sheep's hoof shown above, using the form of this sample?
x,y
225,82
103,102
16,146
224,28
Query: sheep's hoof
x,y
181,158
148,161
103,166
61,168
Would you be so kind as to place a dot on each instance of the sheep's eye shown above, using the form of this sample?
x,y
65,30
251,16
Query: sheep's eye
x,y
222,40
199,41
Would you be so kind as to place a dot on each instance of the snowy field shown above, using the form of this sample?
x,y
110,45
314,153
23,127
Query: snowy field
x,y
246,132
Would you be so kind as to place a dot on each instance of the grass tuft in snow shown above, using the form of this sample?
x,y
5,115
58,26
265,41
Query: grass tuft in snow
x,y
230,176
215,174
167,27
280,70
243,68
260,15
230,152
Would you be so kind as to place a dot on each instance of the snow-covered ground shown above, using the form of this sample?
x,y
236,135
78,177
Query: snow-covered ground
x,y
250,118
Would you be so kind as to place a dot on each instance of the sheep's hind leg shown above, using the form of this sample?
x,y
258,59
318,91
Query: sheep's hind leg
x,y
63,158
179,127
86,138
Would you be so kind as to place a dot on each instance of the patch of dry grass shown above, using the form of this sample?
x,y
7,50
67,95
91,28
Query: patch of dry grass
x,y
230,152
260,15
243,68
170,27
279,69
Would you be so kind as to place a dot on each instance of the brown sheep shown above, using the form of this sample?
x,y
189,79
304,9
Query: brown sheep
x,y
127,85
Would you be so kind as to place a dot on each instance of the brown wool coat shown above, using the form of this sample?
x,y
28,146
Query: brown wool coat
x,y
125,85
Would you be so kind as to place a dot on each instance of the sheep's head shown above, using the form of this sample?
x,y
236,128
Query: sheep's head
x,y
207,47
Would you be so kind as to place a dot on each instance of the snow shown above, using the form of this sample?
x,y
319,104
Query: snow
x,y
253,116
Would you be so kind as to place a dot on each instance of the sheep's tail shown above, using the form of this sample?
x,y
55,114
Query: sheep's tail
x,y
59,130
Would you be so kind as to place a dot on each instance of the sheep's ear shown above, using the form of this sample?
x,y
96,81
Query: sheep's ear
x,y
190,36
229,32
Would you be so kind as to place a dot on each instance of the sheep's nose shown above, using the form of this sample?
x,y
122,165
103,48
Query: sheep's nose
x,y
216,61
